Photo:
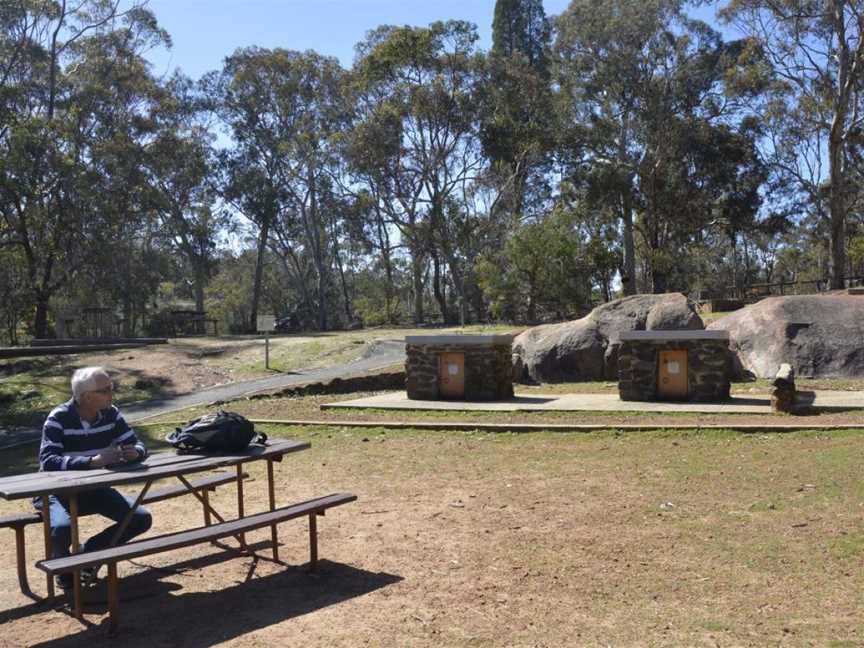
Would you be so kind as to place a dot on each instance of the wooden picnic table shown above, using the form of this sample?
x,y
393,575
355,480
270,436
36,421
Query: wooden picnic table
x,y
157,466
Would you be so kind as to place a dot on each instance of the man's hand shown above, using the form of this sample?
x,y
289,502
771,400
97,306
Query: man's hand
x,y
111,455
130,453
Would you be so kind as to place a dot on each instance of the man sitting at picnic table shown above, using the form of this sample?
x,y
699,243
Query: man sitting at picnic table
x,y
88,432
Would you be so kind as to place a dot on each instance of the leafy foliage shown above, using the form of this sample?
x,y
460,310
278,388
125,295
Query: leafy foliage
x,y
619,147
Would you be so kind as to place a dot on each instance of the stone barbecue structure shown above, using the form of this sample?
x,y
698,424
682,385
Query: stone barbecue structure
x,y
459,367
674,365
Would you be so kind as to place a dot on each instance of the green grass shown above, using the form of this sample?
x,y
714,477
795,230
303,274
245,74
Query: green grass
x,y
29,390
763,385
587,387
848,547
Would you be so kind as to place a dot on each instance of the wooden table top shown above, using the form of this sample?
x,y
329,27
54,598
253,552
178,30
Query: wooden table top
x,y
156,466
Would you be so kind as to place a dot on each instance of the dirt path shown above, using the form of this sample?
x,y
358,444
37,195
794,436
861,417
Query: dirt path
x,y
381,355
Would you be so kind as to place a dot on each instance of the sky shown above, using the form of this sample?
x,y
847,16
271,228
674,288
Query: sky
x,y
204,32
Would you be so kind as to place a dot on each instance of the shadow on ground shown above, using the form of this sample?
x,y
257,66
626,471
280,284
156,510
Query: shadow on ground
x,y
156,613
529,400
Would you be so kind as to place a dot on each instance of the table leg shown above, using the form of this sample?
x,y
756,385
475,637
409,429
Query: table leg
x,y
76,547
46,529
240,500
206,495
206,504
313,541
272,493
125,522
113,598
21,560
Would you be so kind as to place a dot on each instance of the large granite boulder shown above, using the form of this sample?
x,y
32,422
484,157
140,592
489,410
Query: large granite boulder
x,y
587,349
819,335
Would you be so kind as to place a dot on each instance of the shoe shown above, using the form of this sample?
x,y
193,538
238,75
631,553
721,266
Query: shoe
x,y
89,576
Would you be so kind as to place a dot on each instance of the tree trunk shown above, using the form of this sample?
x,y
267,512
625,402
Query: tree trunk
x,y
848,74
337,255
417,280
440,293
384,245
259,272
127,316
321,289
628,280
388,290
349,311
837,208
40,323
733,243
200,283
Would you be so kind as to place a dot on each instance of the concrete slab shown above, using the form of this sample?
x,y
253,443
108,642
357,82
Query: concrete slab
x,y
757,404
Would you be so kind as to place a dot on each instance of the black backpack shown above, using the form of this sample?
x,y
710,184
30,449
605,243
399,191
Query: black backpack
x,y
222,432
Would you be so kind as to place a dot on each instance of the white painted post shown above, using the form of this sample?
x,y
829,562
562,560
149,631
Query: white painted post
x,y
266,323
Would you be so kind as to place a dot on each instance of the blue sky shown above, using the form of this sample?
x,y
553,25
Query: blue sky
x,y
206,31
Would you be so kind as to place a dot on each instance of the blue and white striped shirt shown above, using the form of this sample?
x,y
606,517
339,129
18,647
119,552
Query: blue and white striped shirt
x,y
68,442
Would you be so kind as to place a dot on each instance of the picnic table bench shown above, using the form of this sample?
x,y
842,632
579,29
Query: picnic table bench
x,y
159,466
171,541
18,521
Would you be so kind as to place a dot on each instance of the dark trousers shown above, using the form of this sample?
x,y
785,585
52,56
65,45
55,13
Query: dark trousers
x,y
104,501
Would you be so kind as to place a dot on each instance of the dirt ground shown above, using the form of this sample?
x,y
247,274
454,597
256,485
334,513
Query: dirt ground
x,y
191,365
473,539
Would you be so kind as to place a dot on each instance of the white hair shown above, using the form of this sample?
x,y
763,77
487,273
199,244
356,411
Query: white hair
x,y
83,380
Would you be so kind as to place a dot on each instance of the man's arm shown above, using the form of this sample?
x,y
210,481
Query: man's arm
x,y
51,449
125,436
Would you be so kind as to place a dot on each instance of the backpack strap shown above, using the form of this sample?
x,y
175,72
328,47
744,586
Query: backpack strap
x,y
180,443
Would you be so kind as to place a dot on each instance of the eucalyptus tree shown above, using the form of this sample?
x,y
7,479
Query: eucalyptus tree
x,y
15,298
516,98
416,136
815,50
239,94
544,267
74,92
180,162
642,89
602,58
311,113
281,108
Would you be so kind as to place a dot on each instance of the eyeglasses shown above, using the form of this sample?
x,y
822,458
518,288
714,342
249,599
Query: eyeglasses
x,y
105,390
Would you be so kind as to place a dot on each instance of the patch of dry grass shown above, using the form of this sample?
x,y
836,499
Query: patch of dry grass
x,y
661,538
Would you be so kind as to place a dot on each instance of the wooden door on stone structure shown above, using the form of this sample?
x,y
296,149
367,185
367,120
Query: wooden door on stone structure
x,y
451,375
672,375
